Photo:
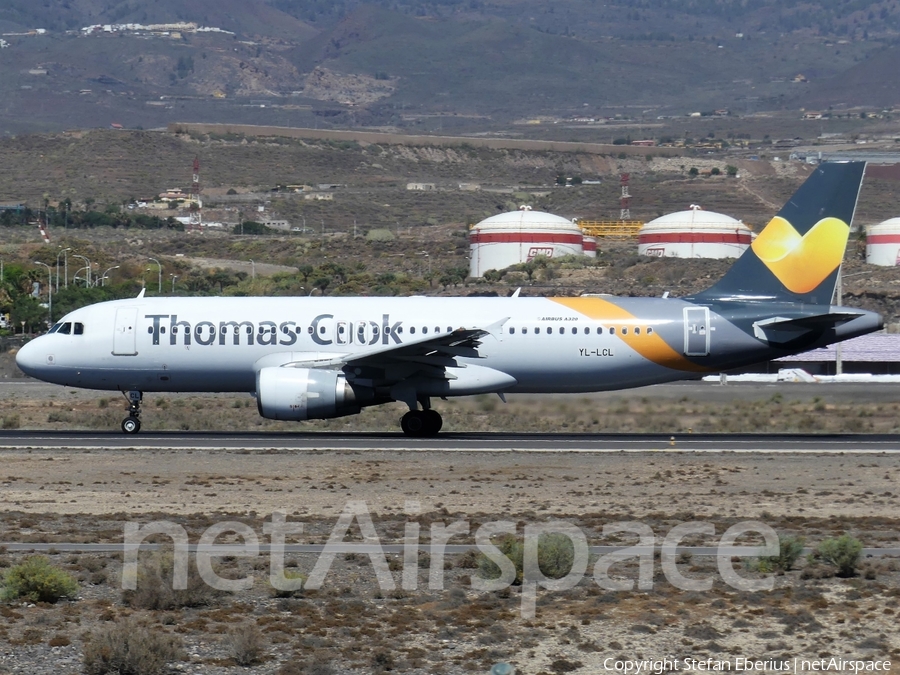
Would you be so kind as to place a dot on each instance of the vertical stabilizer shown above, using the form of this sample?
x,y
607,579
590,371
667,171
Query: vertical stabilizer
x,y
797,255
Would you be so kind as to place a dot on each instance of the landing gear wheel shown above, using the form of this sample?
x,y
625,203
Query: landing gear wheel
x,y
131,425
421,423
433,422
413,423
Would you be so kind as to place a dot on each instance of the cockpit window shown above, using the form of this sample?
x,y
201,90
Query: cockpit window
x,y
68,328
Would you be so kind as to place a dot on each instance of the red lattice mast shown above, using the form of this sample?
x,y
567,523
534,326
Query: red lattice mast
x,y
625,201
195,222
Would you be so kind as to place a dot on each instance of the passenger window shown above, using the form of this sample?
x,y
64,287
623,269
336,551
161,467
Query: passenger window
x,y
649,330
574,330
175,329
549,330
599,330
449,329
425,329
340,330
624,330
437,329
612,330
309,329
512,331
587,330
524,330
322,330
79,329
637,330
561,330
412,330
399,329
149,330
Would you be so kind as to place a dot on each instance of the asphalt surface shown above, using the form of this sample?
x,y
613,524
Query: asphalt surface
x,y
460,442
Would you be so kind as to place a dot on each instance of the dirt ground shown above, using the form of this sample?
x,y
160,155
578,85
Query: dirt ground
x,y
354,625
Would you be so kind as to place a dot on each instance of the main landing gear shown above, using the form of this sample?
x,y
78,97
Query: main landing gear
x,y
132,423
422,423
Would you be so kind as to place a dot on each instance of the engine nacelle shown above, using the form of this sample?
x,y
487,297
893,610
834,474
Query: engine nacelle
x,y
307,394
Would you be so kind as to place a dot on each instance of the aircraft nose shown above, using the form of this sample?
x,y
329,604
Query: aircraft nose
x,y
30,358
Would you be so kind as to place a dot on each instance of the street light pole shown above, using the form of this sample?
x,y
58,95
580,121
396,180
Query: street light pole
x,y
49,291
88,265
159,272
103,278
174,277
64,252
252,269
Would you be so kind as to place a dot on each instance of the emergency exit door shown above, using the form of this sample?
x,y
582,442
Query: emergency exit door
x,y
696,331
124,338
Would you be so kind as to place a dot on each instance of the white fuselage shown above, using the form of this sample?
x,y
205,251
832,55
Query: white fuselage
x,y
218,344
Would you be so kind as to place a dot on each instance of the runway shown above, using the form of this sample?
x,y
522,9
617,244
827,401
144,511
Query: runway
x,y
453,442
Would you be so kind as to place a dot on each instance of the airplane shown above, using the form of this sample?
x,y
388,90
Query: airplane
x,y
321,357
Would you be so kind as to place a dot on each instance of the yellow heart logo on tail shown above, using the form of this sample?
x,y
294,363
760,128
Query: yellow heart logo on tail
x,y
801,263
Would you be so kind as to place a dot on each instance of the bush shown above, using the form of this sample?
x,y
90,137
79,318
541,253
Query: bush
x,y
36,580
290,575
246,645
130,648
790,548
842,552
155,586
556,553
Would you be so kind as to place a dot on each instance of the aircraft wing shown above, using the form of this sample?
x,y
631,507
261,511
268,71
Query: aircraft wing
x,y
439,351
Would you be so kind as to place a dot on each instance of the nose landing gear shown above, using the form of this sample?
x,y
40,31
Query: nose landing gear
x,y
132,423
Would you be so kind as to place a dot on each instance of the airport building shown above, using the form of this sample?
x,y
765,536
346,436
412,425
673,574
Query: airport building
x,y
694,233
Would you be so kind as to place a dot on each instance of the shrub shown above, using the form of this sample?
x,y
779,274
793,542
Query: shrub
x,y
130,648
155,586
290,575
246,644
790,548
556,553
843,552
36,580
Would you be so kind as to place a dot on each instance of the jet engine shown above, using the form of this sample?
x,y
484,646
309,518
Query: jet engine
x,y
307,394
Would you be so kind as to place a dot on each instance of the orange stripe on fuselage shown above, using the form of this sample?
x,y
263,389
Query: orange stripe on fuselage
x,y
651,347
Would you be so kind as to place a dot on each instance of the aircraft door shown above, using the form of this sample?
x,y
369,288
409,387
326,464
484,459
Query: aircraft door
x,y
124,343
342,333
696,331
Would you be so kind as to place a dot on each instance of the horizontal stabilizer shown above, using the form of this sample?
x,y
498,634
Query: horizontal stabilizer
x,y
783,329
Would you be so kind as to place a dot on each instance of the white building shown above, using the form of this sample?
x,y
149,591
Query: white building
x,y
694,233
519,236
883,243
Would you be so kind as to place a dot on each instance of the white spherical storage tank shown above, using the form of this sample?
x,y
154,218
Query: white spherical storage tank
x,y
519,236
589,246
694,233
883,243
